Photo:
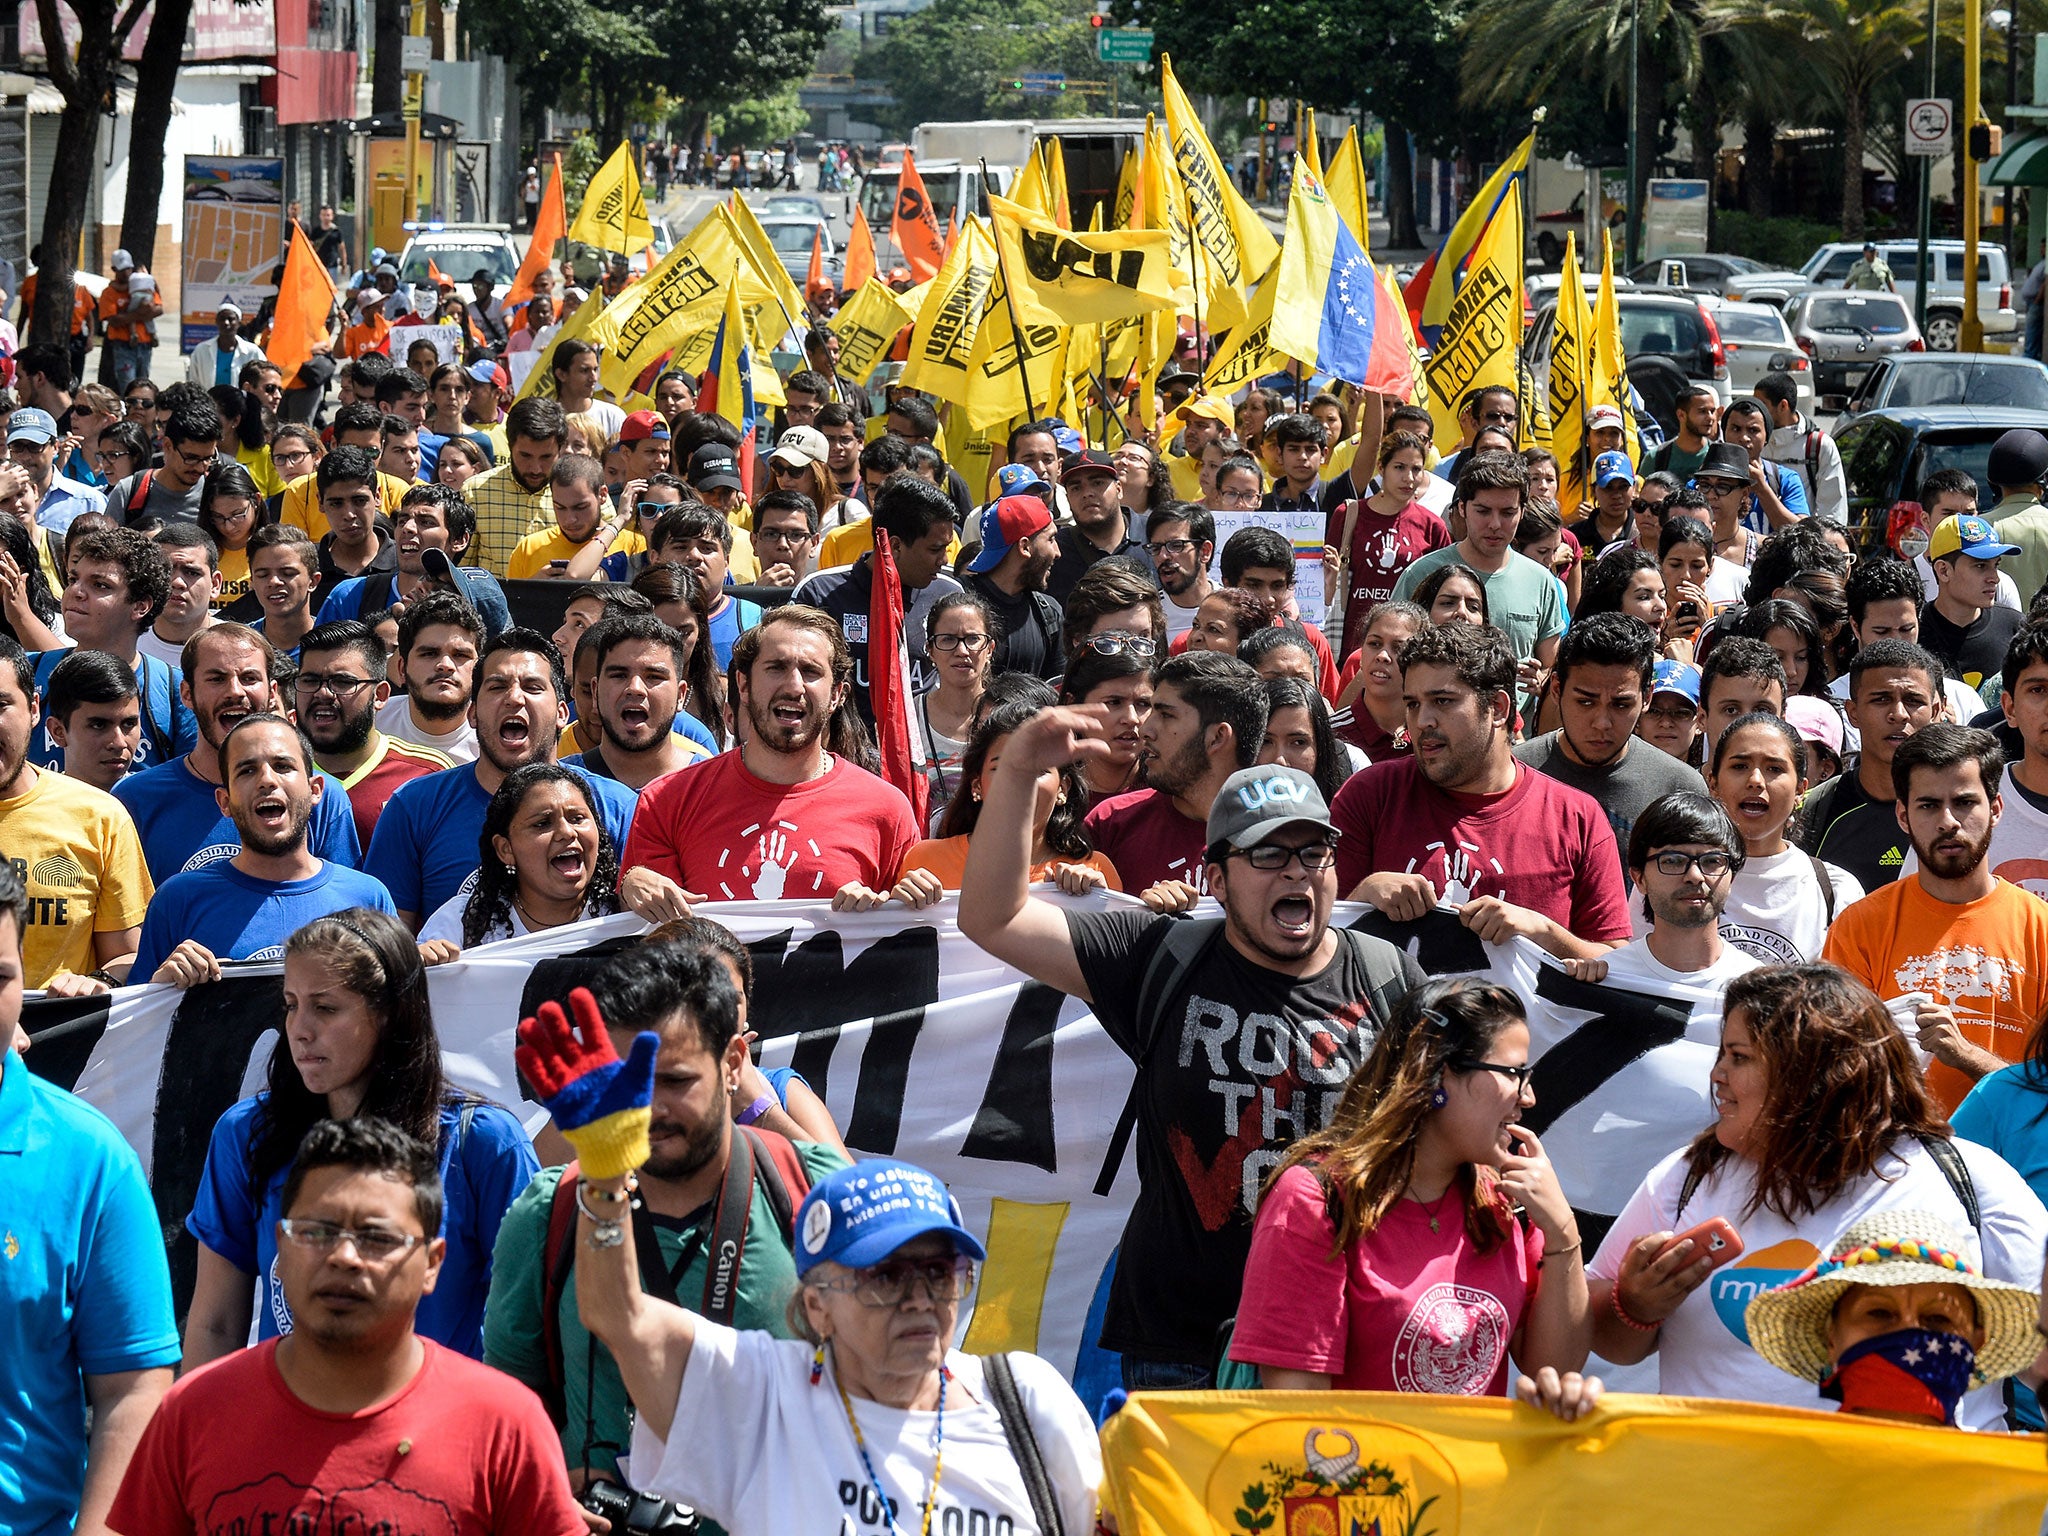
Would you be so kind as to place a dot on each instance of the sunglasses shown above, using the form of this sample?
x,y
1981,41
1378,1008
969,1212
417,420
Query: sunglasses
x,y
1114,642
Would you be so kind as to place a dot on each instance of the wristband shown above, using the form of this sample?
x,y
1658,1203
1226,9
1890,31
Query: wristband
x,y
1622,1312
755,1110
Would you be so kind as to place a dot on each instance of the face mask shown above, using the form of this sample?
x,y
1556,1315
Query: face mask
x,y
1911,1371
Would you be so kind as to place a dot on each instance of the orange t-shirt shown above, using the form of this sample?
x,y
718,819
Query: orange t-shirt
x,y
374,337
1987,961
946,857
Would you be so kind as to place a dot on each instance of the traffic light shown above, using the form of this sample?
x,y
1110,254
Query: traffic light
x,y
1985,140
1098,21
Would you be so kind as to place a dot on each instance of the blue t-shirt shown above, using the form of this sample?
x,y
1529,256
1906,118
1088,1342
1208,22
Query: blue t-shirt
x,y
1791,491
425,846
162,711
84,1289
239,917
182,828
479,586
2008,1112
483,1169
430,453
728,624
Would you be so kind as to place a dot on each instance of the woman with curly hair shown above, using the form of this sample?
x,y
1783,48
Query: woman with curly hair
x,y
546,861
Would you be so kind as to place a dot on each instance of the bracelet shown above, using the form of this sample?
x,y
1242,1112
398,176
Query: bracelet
x,y
605,1196
755,1110
605,1232
1558,1253
1622,1312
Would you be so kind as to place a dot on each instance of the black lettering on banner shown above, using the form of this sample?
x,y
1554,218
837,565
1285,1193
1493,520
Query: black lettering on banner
x,y
1014,1123
1049,256
63,1032
1205,207
951,339
859,349
1437,941
685,285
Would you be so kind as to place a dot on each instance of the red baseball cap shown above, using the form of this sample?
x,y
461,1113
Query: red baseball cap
x,y
642,425
1006,523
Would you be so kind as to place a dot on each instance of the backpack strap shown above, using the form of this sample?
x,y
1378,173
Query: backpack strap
x,y
557,1258
140,500
1009,1406
779,1168
1050,620
1178,952
1813,441
1693,1179
1957,1172
1827,884
1339,593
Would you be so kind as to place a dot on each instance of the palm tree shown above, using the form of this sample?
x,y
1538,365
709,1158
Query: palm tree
x,y
1853,46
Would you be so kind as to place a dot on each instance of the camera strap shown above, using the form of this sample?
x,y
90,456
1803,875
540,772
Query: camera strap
x,y
727,1225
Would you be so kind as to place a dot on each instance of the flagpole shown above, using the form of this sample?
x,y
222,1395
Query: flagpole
x,y
1016,328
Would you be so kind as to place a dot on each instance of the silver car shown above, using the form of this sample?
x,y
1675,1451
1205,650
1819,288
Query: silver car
x,y
1758,342
1845,332
792,236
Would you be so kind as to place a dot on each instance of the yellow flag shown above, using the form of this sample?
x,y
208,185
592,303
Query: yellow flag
x,y
682,294
949,323
1224,224
1310,149
1161,204
1248,354
1482,333
613,216
1409,1464
590,323
767,266
1346,182
1080,279
995,390
1571,396
1610,360
1030,188
1126,203
1062,209
865,325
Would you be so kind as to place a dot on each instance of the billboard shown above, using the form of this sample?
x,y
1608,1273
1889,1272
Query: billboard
x,y
219,29
234,237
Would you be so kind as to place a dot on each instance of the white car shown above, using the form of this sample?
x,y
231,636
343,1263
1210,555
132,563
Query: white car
x,y
1758,342
459,251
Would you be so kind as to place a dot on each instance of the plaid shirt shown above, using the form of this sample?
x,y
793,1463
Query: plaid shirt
x,y
505,514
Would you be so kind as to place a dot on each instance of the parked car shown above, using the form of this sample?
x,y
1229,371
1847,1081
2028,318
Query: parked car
x,y
1655,322
1845,333
1703,272
1758,342
792,238
1828,266
458,251
1551,228
797,205
1929,378
1887,454
1768,285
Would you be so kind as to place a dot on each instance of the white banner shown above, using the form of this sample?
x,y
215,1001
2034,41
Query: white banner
x,y
925,1048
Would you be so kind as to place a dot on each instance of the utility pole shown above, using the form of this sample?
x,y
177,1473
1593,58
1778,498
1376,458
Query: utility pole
x,y
1635,210
415,103
1973,113
1926,189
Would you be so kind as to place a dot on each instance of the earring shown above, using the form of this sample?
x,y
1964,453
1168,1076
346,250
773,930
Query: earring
x,y
818,1363
1439,1099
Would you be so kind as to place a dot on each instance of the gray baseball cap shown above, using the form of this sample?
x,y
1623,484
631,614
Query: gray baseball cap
x,y
1254,803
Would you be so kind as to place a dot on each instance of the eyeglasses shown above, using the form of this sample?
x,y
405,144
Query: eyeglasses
x,y
788,538
654,508
789,469
967,643
1672,861
340,684
887,1284
1114,642
372,1245
1722,487
1171,547
1269,858
1499,418
1519,1076
1240,498
1638,506
1676,713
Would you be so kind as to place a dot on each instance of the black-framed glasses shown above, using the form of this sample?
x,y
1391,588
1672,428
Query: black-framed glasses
x,y
888,1283
373,1245
1676,861
1269,858
1171,547
1639,506
1722,487
1241,498
1519,1076
1114,642
788,538
972,644
340,684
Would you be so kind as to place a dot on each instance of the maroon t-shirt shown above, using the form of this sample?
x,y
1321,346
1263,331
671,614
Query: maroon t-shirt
x,y
1148,840
1381,549
1541,845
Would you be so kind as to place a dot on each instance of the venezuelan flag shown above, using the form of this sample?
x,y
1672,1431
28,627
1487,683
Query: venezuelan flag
x,y
727,386
1435,283
1330,308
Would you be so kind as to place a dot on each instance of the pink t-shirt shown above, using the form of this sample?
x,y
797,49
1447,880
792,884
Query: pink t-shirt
x,y
1146,837
1542,845
1403,1309
716,829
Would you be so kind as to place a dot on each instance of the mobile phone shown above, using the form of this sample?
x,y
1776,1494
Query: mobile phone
x,y
1688,610
558,565
1715,1239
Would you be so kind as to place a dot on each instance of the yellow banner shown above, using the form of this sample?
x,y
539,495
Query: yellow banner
x,y
613,216
1609,373
1402,1464
1081,279
996,390
1248,354
865,325
681,295
1346,182
1571,397
1223,222
1482,335
590,323
768,268
949,323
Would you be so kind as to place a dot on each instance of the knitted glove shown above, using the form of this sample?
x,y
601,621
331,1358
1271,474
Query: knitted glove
x,y
599,1103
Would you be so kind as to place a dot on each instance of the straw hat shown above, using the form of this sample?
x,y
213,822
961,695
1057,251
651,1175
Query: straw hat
x,y
1788,1325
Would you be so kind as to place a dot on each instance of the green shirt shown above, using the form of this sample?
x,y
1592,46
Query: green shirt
x,y
1521,597
1868,274
513,1338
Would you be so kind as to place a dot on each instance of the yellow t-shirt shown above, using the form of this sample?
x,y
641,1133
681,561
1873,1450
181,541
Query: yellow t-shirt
x,y
530,556
849,541
257,461
234,578
1185,470
81,858
302,502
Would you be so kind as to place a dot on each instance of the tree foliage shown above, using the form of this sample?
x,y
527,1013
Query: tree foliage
x,y
959,60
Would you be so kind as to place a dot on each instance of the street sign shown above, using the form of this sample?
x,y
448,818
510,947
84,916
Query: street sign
x,y
415,53
1124,45
1930,121
1041,85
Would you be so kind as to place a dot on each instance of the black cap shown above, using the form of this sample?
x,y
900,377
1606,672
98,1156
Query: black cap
x,y
2020,457
1086,458
713,467
1724,461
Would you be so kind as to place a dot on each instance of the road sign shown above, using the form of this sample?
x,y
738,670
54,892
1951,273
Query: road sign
x,y
1041,85
415,54
1930,121
1124,45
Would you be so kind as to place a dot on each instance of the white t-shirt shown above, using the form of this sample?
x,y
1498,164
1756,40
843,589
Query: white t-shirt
x,y
2019,843
394,718
607,415
756,1447
1704,1348
172,656
446,923
1776,912
1179,620
1635,957
1725,581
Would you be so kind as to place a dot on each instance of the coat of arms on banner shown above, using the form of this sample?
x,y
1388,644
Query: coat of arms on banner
x,y
1319,1479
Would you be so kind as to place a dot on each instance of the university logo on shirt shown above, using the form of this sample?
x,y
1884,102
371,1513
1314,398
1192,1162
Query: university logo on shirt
x,y
1453,1341
212,853
1458,870
757,867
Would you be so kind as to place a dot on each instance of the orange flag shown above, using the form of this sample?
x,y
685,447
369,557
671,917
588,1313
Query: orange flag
x,y
814,280
304,301
860,255
952,235
914,227
549,226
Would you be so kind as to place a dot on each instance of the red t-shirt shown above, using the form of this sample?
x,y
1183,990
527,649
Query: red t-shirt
x,y
1403,1309
460,1449
716,829
1381,549
1146,837
400,762
1542,845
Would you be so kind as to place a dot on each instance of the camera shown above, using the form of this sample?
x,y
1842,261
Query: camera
x,y
637,1514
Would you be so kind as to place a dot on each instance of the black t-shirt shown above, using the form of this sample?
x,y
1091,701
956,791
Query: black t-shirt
x,y
1029,641
1239,1061
1078,553
1844,826
1975,653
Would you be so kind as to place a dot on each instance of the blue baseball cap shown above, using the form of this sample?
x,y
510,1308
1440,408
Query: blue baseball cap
x,y
1017,480
1612,466
30,425
860,1215
1068,439
1970,536
1677,677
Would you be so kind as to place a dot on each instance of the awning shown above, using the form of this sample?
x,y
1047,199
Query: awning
x,y
2022,163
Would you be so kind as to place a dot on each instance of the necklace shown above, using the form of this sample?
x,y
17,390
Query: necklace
x,y
860,1444
1433,1209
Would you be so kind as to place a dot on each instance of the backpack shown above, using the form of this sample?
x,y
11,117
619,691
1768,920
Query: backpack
x,y
1009,1407
762,1157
